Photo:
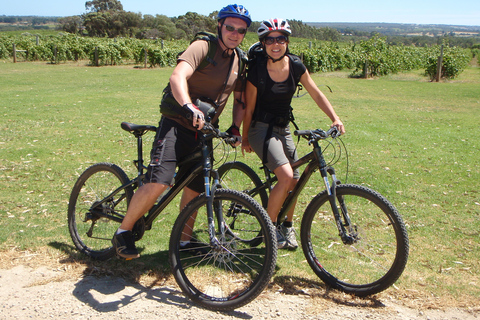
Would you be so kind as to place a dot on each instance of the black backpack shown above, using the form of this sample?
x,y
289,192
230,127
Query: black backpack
x,y
256,56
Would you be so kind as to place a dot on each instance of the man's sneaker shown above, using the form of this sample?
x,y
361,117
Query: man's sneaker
x,y
124,244
290,237
281,241
195,247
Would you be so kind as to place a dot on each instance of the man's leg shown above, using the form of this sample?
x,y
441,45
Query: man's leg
x,y
187,196
141,202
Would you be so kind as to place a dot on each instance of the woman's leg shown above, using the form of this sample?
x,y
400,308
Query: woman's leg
x,y
280,191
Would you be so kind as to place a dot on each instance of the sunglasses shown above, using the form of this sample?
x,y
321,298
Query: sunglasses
x,y
279,40
232,29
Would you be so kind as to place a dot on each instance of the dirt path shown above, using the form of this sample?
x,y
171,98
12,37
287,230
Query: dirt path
x,y
46,293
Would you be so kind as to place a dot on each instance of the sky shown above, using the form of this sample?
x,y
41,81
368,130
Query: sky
x,y
460,12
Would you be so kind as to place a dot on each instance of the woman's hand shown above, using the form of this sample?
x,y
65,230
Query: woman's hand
x,y
246,146
339,124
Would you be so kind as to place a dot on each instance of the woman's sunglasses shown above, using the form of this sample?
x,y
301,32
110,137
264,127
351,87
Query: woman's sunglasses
x,y
279,40
239,30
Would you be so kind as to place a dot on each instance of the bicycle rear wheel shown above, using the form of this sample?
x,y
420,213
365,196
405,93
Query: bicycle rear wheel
x,y
239,176
228,274
379,252
91,224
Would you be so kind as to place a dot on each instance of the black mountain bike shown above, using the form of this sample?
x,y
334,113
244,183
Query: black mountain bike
x,y
227,272
353,238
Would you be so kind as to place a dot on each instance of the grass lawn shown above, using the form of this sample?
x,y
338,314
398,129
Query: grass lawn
x,y
414,141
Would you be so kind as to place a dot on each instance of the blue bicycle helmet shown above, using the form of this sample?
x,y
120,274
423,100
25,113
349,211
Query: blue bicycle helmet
x,y
235,11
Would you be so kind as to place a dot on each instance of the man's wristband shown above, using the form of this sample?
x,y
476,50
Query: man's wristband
x,y
234,130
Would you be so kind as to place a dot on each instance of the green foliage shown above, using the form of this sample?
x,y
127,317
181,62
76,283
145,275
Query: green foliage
x,y
370,58
327,57
377,58
454,61
192,22
103,5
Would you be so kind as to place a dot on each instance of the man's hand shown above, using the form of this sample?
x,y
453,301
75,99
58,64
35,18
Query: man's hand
x,y
235,132
197,117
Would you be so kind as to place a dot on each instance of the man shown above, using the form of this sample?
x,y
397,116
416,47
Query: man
x,y
176,136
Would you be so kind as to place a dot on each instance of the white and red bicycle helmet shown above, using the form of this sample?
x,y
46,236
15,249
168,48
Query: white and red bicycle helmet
x,y
274,24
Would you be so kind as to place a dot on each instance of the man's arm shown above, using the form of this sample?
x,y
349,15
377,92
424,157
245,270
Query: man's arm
x,y
178,82
238,112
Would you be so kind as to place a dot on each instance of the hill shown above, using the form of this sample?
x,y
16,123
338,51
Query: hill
x,y
400,29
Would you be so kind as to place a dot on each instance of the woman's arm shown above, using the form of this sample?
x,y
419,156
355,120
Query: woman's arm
x,y
321,100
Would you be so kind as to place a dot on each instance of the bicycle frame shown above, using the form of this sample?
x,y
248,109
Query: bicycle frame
x,y
314,161
203,165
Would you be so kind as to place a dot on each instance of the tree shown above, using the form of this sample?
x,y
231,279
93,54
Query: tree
x,y
103,5
192,22
96,23
71,24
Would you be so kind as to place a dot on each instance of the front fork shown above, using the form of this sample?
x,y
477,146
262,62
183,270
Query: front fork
x,y
342,219
210,190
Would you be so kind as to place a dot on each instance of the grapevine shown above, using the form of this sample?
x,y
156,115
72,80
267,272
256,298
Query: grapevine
x,y
372,57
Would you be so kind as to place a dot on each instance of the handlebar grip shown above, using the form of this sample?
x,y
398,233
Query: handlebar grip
x,y
333,132
230,140
302,132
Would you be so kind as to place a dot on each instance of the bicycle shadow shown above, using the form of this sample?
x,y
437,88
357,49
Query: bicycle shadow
x,y
108,286
98,290
292,285
108,294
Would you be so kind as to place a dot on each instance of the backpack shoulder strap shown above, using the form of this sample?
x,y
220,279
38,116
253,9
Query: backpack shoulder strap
x,y
261,62
212,47
242,61
298,67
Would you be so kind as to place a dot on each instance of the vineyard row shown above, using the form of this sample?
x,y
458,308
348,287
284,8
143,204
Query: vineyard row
x,y
373,57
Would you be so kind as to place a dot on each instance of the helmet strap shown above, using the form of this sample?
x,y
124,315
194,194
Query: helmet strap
x,y
276,60
269,57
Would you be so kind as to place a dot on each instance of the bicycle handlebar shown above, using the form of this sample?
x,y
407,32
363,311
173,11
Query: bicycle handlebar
x,y
208,128
318,134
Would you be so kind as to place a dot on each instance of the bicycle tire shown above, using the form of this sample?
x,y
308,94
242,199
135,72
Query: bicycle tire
x,y
227,276
239,176
379,254
91,233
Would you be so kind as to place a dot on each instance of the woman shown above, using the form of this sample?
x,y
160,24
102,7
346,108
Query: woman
x,y
265,126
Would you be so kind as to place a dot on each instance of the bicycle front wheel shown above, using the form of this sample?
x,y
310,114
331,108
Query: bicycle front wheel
x,y
227,273
94,213
378,251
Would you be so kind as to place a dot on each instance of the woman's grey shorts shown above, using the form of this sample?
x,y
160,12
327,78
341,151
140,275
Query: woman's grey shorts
x,y
281,148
